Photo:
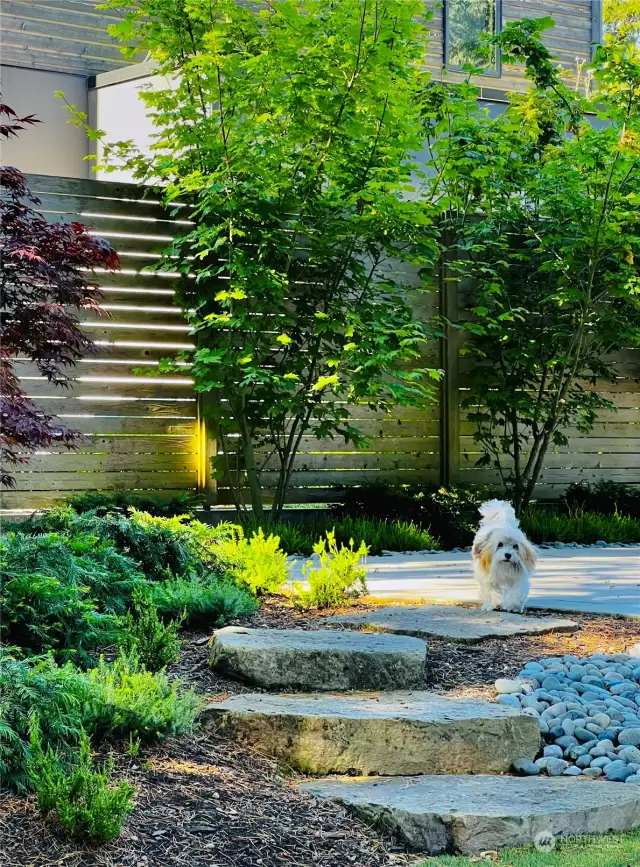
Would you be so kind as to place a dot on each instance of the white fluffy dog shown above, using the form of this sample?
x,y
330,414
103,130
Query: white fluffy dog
x,y
503,558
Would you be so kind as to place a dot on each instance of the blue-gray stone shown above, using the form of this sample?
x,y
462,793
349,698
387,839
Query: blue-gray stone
x,y
592,680
621,657
600,762
572,771
634,778
584,761
592,772
617,772
534,667
629,754
526,767
582,734
554,751
625,686
557,732
555,767
630,737
509,700
551,683
575,752
602,719
566,741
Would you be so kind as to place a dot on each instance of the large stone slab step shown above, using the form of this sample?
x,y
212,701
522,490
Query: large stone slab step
x,y
379,733
466,625
319,660
467,815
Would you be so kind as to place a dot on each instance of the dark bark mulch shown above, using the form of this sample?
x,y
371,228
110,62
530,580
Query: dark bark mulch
x,y
205,801
202,801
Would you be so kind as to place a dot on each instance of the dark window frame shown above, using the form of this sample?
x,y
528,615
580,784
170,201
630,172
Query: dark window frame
x,y
496,72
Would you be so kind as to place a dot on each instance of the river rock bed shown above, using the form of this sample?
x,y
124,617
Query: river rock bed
x,y
589,714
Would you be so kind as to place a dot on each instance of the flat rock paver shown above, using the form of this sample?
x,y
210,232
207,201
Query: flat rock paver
x,y
467,815
379,733
467,625
596,580
328,659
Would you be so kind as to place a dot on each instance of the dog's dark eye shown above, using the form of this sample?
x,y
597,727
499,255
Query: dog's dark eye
x,y
515,546
500,545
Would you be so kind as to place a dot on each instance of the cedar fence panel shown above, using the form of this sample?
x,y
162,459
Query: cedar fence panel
x,y
146,434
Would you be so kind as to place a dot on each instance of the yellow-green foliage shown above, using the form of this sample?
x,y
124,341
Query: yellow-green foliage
x,y
338,576
256,563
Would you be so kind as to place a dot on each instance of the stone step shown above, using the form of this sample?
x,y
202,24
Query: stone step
x,y
319,660
467,815
466,625
379,733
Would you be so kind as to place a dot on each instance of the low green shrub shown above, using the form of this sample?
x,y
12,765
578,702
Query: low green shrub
x,y
384,535
256,563
155,643
129,701
603,498
60,594
122,700
37,688
449,514
212,603
337,577
577,526
82,799
379,534
122,501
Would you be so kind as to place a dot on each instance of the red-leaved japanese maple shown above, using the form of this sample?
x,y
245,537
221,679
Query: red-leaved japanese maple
x,y
43,281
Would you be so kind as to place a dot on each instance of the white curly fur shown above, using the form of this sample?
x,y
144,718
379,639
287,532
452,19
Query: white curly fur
x,y
504,559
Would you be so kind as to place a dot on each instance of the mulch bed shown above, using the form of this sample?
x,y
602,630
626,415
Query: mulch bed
x,y
202,800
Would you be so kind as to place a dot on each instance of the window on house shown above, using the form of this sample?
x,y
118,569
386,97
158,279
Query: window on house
x,y
464,21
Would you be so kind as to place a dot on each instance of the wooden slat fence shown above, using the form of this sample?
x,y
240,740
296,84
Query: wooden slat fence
x,y
145,434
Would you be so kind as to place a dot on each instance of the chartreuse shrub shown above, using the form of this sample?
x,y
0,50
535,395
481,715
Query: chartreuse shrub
x,y
337,577
82,798
256,563
129,700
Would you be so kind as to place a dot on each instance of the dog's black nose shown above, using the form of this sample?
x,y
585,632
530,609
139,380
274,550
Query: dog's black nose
x,y
507,556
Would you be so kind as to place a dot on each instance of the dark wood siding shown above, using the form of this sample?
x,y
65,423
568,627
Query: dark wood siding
x,y
576,26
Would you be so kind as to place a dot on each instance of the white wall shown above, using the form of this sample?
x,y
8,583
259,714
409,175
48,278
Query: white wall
x,y
53,147
118,110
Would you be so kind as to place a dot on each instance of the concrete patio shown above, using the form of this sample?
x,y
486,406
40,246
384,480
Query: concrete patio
x,y
597,580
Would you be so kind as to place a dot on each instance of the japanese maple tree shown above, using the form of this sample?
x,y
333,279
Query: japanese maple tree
x,y
45,275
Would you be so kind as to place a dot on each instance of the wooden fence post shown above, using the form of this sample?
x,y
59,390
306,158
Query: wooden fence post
x,y
207,449
449,388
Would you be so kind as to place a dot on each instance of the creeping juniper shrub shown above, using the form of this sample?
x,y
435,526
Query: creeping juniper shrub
x,y
339,576
210,603
62,593
80,797
155,643
59,696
